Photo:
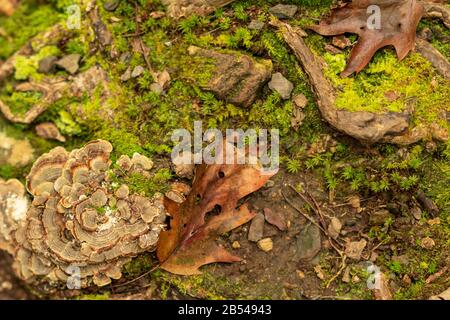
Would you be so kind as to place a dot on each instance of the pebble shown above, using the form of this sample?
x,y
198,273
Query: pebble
x,y
427,243
281,85
256,230
265,244
70,63
284,11
236,245
137,71
256,25
47,65
354,249
111,5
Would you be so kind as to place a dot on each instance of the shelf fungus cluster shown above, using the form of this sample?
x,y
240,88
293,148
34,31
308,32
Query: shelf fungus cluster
x,y
81,221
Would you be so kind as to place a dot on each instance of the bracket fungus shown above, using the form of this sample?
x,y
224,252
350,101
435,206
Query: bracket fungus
x,y
80,219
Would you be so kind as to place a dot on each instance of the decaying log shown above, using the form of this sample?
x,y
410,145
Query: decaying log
x,y
439,62
365,126
437,10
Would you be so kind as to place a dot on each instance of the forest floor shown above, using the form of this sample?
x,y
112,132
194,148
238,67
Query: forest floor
x,y
373,194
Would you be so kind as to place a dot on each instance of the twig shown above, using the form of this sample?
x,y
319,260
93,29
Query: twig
x,y
302,213
139,277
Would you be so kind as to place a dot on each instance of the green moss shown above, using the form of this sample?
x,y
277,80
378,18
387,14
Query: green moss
x,y
138,266
29,19
409,80
204,286
95,296
20,102
26,67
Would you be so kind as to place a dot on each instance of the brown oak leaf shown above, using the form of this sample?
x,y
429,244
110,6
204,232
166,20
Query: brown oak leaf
x,y
195,224
399,20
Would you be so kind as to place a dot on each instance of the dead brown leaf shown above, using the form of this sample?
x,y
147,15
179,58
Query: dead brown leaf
x,y
399,20
195,224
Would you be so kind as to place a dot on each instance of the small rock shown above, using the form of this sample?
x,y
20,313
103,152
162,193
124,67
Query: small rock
x,y
47,65
48,130
406,280
156,88
157,14
281,85
137,71
284,11
435,221
354,249
256,230
70,63
300,274
275,218
379,217
256,25
297,118
346,275
236,245
319,272
307,244
111,5
427,243
126,75
125,57
6,286
341,42
416,213
334,228
355,202
163,79
356,279
265,244
300,100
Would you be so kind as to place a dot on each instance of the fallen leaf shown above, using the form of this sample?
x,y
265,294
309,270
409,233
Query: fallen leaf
x,y
275,218
399,20
190,241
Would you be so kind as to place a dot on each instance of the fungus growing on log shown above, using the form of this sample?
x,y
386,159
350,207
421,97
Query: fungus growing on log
x,y
79,218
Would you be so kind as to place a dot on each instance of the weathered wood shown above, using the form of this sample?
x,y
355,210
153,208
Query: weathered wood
x,y
183,8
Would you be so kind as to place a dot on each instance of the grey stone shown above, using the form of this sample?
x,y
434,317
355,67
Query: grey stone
x,y
126,75
137,71
256,25
307,244
111,5
281,85
284,11
256,230
47,65
156,88
235,77
70,63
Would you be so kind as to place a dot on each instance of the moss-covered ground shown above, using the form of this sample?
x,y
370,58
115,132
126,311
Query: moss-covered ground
x,y
143,121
